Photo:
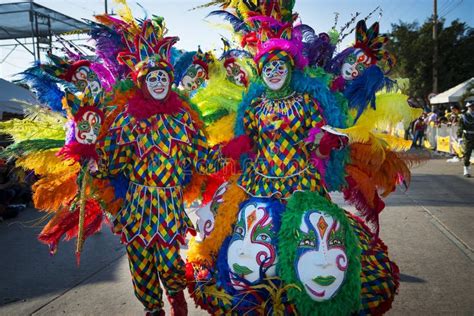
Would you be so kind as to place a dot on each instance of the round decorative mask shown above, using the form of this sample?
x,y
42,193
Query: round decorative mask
x,y
274,74
321,261
83,77
194,77
355,64
158,84
236,74
206,214
252,248
87,127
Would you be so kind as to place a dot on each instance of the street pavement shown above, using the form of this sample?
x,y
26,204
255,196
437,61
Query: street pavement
x,y
429,231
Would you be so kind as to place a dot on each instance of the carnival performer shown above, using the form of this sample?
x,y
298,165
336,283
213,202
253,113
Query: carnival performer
x,y
267,225
466,135
155,143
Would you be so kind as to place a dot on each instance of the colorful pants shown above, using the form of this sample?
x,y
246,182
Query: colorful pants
x,y
150,265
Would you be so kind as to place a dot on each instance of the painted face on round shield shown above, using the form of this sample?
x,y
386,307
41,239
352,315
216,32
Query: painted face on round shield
x,y
194,77
83,77
157,84
87,127
274,74
321,261
355,64
206,214
236,74
252,246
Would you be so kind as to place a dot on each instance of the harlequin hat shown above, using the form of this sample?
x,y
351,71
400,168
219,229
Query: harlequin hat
x,y
277,41
373,44
149,51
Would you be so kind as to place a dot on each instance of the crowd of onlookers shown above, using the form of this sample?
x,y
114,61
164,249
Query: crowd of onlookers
x,y
462,131
436,117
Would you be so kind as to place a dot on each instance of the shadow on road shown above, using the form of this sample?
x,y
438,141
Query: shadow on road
x,y
27,270
410,279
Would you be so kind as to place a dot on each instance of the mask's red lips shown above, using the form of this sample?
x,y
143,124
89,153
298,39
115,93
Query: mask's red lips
x,y
158,90
275,80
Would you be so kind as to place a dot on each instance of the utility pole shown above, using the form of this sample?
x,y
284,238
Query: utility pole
x,y
435,48
105,2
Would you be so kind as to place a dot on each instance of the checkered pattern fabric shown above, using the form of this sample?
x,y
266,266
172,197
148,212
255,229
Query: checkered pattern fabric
x,y
282,165
153,214
150,265
272,55
379,275
155,154
157,151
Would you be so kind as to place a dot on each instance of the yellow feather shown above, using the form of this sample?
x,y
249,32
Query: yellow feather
x,y
222,130
47,163
392,108
125,12
395,143
22,130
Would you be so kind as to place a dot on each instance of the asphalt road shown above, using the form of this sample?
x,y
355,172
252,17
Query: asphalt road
x,y
429,231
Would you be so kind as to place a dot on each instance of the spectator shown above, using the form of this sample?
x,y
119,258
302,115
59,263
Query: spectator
x,y
419,131
432,117
466,135
453,116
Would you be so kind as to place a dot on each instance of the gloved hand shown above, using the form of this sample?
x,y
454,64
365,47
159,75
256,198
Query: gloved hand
x,y
237,146
331,141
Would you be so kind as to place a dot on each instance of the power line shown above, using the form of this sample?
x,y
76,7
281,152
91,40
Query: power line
x,y
457,5
445,6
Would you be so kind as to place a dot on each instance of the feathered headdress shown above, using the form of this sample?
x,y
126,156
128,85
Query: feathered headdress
x,y
266,28
203,59
373,44
149,51
87,118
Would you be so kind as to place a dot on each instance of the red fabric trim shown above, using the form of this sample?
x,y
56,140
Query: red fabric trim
x,y
141,107
77,151
72,69
228,61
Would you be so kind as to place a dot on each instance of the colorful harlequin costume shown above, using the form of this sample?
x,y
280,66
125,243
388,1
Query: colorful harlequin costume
x,y
305,132
156,144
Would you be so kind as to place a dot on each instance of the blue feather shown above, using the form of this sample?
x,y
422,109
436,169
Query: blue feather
x,y
360,92
46,89
237,23
181,64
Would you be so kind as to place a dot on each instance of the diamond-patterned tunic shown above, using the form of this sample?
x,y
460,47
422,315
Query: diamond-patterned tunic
x,y
282,165
155,154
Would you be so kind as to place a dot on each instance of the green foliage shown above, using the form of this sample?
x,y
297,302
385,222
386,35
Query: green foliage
x,y
413,45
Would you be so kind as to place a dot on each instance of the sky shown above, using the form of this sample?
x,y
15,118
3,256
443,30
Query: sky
x,y
193,29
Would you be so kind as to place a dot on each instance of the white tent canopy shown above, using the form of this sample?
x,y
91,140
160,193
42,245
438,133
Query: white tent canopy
x,y
454,94
10,92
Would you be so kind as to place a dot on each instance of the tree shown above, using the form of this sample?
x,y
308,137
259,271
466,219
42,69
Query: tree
x,y
413,44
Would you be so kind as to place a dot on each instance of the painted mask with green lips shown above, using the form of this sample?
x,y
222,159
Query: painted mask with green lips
x,y
321,261
252,247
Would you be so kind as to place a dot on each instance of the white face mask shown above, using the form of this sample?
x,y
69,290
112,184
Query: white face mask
x,y
206,214
355,64
87,128
321,261
236,74
252,245
83,77
194,78
274,74
158,84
